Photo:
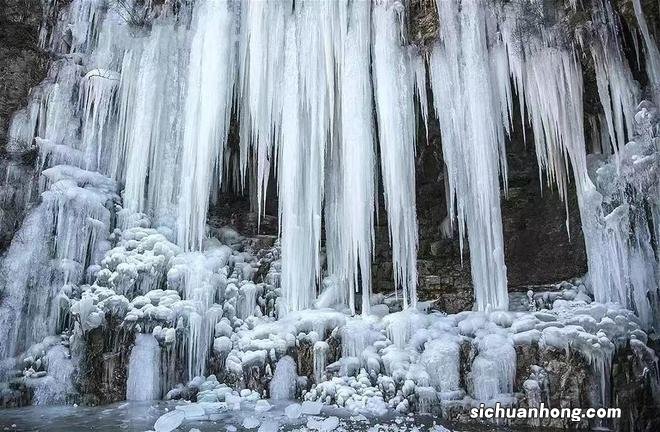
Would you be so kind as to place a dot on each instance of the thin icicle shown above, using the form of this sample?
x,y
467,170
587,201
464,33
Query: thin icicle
x,y
419,66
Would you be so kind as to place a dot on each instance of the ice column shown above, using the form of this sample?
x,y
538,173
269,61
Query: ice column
x,y
147,139
393,80
144,369
467,103
261,64
307,113
351,192
207,112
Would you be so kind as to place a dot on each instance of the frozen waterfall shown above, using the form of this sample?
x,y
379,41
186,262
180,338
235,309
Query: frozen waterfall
x,y
140,126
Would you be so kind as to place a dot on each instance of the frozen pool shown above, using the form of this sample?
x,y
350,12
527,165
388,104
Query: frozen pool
x,y
141,416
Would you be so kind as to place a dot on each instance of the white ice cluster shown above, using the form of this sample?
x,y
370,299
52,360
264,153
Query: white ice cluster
x,y
149,282
624,206
411,361
414,360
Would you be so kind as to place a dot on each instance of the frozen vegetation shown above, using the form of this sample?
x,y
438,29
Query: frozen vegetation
x,y
132,128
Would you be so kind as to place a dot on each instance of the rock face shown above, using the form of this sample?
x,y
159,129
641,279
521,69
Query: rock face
x,y
22,66
104,354
22,63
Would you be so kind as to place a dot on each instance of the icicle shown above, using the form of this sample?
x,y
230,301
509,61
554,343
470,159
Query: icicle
x,y
320,360
652,58
549,83
146,149
471,116
617,89
393,88
419,67
307,114
97,99
351,190
297,259
143,117
263,26
211,72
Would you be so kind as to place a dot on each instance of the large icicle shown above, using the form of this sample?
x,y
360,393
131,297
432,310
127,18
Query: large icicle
x,y
471,117
207,113
307,114
393,77
351,193
147,138
261,62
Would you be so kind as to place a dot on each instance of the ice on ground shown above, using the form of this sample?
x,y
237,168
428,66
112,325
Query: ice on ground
x,y
169,421
311,408
250,422
293,411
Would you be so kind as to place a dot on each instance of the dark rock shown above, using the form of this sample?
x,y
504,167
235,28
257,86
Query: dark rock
x,y
305,359
422,22
103,360
634,385
22,66
22,62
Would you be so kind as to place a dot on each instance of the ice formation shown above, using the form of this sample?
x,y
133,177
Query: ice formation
x,y
206,124
393,81
144,369
283,384
350,200
134,132
473,120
